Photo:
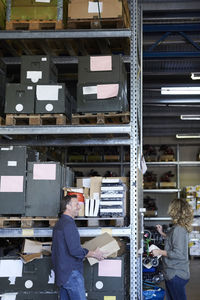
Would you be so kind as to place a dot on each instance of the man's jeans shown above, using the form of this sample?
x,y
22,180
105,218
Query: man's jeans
x,y
74,288
175,288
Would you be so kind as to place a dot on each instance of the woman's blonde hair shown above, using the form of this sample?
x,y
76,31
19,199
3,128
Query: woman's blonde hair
x,y
181,213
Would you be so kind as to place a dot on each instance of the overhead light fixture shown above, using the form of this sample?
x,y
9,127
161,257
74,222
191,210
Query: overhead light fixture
x,y
190,117
195,76
188,136
189,90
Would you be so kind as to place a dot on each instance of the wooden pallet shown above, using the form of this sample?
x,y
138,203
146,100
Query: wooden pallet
x,y
101,118
150,185
2,121
34,25
36,119
99,222
95,23
168,185
167,158
150,158
27,222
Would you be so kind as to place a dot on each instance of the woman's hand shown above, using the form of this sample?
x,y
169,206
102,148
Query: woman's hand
x,y
160,230
159,252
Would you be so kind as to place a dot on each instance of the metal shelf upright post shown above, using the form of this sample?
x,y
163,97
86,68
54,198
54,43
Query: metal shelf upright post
x,y
135,150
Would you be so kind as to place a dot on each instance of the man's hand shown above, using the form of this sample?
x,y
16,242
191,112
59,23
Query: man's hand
x,y
98,254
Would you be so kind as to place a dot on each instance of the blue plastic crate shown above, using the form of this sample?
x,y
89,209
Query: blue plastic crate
x,y
154,293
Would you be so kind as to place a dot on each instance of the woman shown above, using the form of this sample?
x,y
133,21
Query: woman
x,y
175,254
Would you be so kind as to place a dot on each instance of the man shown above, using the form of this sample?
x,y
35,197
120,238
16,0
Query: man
x,y
67,253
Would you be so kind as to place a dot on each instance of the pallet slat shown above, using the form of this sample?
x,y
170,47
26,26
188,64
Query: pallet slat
x,y
36,119
26,222
34,25
101,118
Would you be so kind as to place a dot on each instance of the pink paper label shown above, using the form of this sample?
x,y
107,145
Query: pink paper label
x,y
11,184
110,268
44,172
100,63
105,91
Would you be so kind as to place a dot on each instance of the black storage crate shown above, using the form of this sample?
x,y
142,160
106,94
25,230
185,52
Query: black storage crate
x,y
38,69
102,89
43,189
20,99
58,99
12,179
97,287
36,277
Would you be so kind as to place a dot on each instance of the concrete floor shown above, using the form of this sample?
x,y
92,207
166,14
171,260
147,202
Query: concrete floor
x,y
193,286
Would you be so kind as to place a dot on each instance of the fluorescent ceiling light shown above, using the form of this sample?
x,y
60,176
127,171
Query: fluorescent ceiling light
x,y
181,90
195,76
188,136
190,117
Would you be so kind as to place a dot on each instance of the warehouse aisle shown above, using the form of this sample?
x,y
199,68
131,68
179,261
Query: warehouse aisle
x,y
193,287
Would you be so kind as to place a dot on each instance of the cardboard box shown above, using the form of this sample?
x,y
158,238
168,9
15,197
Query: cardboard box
x,y
84,9
31,247
104,242
94,185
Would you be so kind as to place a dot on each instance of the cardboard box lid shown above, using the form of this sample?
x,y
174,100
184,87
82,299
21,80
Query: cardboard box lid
x,y
104,242
31,247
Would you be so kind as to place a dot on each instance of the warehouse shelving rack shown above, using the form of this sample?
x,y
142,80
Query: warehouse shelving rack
x,y
131,132
178,164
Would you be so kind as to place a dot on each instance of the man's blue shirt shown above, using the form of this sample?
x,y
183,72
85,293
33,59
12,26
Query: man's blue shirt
x,y
67,253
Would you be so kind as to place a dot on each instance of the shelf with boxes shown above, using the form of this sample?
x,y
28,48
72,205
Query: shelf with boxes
x,y
23,261
77,43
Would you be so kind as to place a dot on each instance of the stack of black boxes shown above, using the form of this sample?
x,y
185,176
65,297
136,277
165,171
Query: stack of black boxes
x,y
34,280
38,91
102,84
29,188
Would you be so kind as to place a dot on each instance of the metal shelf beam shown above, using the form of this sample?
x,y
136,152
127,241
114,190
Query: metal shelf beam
x,y
67,129
58,60
162,191
64,34
47,232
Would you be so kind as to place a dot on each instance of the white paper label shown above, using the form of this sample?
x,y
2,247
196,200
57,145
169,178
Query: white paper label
x,y
43,1
7,149
89,90
29,87
34,76
12,280
86,182
11,268
51,278
12,163
19,107
8,296
95,7
47,92
44,59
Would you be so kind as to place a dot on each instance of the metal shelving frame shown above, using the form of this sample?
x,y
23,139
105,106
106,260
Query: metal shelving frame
x,y
178,164
132,130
